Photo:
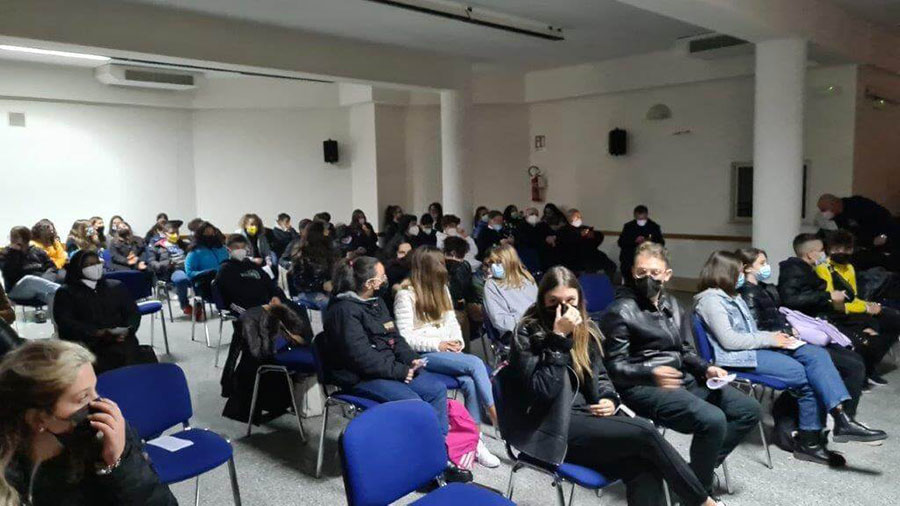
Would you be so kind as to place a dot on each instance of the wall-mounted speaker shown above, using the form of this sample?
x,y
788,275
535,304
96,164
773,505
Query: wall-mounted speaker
x,y
330,148
618,142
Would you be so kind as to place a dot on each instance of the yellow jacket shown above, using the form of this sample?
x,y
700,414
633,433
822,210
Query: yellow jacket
x,y
849,274
56,252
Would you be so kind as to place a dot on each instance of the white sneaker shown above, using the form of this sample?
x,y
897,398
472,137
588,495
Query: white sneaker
x,y
484,456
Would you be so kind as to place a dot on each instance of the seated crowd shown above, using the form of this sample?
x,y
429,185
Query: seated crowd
x,y
400,309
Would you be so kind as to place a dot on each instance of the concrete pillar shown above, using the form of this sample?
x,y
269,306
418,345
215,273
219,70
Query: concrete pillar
x,y
456,190
778,146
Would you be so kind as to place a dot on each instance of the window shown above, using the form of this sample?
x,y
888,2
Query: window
x,y
742,191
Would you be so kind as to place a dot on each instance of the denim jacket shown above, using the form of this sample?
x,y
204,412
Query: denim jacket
x,y
733,333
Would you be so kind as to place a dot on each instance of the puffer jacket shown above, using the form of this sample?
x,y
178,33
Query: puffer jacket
x,y
801,289
17,264
763,301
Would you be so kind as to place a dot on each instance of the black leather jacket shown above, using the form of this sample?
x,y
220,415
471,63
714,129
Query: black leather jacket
x,y
538,388
763,301
801,289
639,338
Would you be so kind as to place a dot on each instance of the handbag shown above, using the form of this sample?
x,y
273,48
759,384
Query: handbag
x,y
815,331
463,437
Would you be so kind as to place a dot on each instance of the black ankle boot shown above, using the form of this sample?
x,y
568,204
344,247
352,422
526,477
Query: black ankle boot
x,y
810,445
848,429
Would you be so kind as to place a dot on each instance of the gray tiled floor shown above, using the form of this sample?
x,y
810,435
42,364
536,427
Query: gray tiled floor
x,y
275,468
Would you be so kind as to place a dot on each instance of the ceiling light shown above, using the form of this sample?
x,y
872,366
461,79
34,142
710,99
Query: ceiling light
x,y
478,16
51,52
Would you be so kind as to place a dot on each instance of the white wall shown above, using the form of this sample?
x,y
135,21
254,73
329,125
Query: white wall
x,y
270,161
75,161
877,163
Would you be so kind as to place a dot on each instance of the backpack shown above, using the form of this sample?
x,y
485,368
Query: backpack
x,y
463,437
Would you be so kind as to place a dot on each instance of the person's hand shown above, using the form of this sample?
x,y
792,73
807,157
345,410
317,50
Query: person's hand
x,y
111,423
257,261
415,366
873,308
551,240
327,286
142,266
566,321
881,240
795,332
603,408
132,260
639,239
838,296
505,241
585,232
667,377
715,372
274,301
462,232
447,346
783,340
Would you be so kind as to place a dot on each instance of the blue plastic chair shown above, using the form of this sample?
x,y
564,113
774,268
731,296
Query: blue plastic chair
x,y
106,258
565,472
530,259
140,286
154,398
354,403
749,380
599,292
395,448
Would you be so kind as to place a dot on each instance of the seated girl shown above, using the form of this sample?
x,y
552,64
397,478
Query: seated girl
x,y
509,291
166,259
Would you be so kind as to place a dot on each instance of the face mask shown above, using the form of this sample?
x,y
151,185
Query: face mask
x,y
647,287
92,273
484,217
765,272
210,241
497,271
576,223
452,232
238,254
497,227
841,258
828,215
90,231
822,258
641,223
82,436
251,230
427,230
514,215
740,281
532,219
362,221
173,238
413,230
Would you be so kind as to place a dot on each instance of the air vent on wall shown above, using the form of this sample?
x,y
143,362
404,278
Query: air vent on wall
x,y
146,77
718,46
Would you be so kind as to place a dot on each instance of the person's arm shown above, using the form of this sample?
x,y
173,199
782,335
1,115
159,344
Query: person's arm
x,y
68,320
497,309
605,388
450,327
190,264
128,310
356,349
419,339
796,296
716,317
692,361
617,346
541,363
133,481
623,238
856,307
658,238
118,254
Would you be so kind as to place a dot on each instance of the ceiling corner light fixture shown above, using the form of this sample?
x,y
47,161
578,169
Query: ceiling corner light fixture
x,y
478,16
51,52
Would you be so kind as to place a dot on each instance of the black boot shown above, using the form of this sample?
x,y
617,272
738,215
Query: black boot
x,y
810,445
847,429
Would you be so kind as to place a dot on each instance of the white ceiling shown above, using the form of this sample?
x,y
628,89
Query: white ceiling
x,y
594,29
881,12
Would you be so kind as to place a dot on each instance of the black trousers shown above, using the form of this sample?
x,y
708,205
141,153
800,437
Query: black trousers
x,y
871,348
632,450
852,368
718,419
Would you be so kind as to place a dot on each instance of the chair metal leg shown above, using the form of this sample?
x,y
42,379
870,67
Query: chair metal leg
x,y
290,383
162,321
152,328
197,492
321,454
206,330
235,490
762,434
219,346
666,493
560,493
193,317
169,302
512,476
253,402
727,477
571,495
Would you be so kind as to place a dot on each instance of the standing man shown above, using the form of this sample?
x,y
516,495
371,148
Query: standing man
x,y
876,232
637,231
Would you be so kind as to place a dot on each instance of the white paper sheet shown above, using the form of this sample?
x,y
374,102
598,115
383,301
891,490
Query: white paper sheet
x,y
169,443
717,383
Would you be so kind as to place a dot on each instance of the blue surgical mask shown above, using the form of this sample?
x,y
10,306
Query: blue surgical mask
x,y
740,282
822,258
497,227
497,271
765,272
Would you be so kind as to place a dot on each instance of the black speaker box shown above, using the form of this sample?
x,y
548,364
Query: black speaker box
x,y
330,148
618,142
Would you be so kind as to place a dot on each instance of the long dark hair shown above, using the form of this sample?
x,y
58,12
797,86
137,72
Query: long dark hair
x,y
351,275
314,246
44,232
721,271
198,241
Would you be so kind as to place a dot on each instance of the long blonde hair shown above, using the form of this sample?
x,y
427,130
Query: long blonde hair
x,y
428,280
584,333
33,376
516,273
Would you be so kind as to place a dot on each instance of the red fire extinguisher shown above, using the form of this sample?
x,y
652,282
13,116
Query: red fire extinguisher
x,y
538,183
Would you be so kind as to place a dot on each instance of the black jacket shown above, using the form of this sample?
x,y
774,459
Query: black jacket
x,y
866,219
359,236
801,289
487,239
579,248
280,239
133,482
763,301
462,290
362,342
639,338
628,239
17,264
245,284
538,388
162,262
119,249
79,312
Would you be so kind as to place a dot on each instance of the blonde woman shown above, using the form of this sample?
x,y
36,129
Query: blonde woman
x,y
49,415
509,289
424,315
82,236
559,404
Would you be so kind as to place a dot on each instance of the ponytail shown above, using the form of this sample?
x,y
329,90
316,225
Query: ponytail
x,y
351,275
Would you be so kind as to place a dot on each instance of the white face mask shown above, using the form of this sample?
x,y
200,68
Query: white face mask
x,y
414,230
452,232
641,223
239,254
93,273
577,223
532,219
427,230
828,215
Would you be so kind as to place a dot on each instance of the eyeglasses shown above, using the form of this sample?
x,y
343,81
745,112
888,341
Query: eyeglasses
x,y
653,273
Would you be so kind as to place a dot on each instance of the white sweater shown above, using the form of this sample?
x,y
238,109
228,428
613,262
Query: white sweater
x,y
422,336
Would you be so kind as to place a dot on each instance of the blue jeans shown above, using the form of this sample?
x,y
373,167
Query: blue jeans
x,y
181,282
811,375
472,375
35,287
424,386
317,301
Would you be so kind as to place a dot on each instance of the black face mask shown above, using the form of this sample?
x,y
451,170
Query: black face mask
x,y
841,258
210,241
83,437
647,287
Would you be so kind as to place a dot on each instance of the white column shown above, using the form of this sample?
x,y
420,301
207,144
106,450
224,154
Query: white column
x,y
456,192
778,145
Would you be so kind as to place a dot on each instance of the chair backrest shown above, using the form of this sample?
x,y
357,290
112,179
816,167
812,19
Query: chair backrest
x,y
106,257
530,258
318,346
152,397
599,292
391,450
139,284
701,338
217,298
202,284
